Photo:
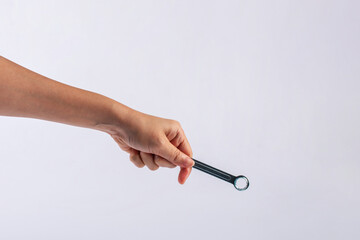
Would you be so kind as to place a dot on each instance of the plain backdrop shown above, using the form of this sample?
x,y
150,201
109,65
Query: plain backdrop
x,y
268,89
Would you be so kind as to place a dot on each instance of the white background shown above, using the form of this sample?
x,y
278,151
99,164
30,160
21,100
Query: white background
x,y
269,89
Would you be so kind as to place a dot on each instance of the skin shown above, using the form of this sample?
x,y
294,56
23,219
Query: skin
x,y
150,141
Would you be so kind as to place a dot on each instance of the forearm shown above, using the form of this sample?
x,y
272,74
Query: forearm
x,y
24,93
149,140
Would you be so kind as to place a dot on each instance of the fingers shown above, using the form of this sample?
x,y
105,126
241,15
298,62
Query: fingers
x,y
169,150
185,147
153,162
161,162
181,142
148,159
135,159
171,153
184,174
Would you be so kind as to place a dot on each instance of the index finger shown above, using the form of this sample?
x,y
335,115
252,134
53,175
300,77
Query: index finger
x,y
184,146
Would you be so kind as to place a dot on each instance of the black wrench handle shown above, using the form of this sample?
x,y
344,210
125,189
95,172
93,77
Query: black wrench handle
x,y
214,171
236,181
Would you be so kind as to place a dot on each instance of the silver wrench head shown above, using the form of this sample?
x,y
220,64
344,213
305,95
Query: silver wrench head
x,y
241,183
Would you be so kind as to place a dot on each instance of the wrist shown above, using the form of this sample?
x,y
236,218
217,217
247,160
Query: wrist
x,y
117,119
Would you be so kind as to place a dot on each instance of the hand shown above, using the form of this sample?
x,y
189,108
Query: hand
x,y
151,141
154,142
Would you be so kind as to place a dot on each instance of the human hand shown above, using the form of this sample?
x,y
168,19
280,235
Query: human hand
x,y
153,141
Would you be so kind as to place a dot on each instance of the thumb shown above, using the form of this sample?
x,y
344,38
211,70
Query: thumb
x,y
174,155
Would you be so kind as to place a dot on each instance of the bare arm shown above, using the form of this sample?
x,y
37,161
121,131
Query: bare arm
x,y
149,140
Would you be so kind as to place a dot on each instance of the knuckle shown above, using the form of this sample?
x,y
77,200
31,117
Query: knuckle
x,y
176,123
136,161
153,168
140,165
159,142
132,158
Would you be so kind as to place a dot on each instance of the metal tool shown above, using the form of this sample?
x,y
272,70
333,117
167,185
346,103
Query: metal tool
x,y
240,182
